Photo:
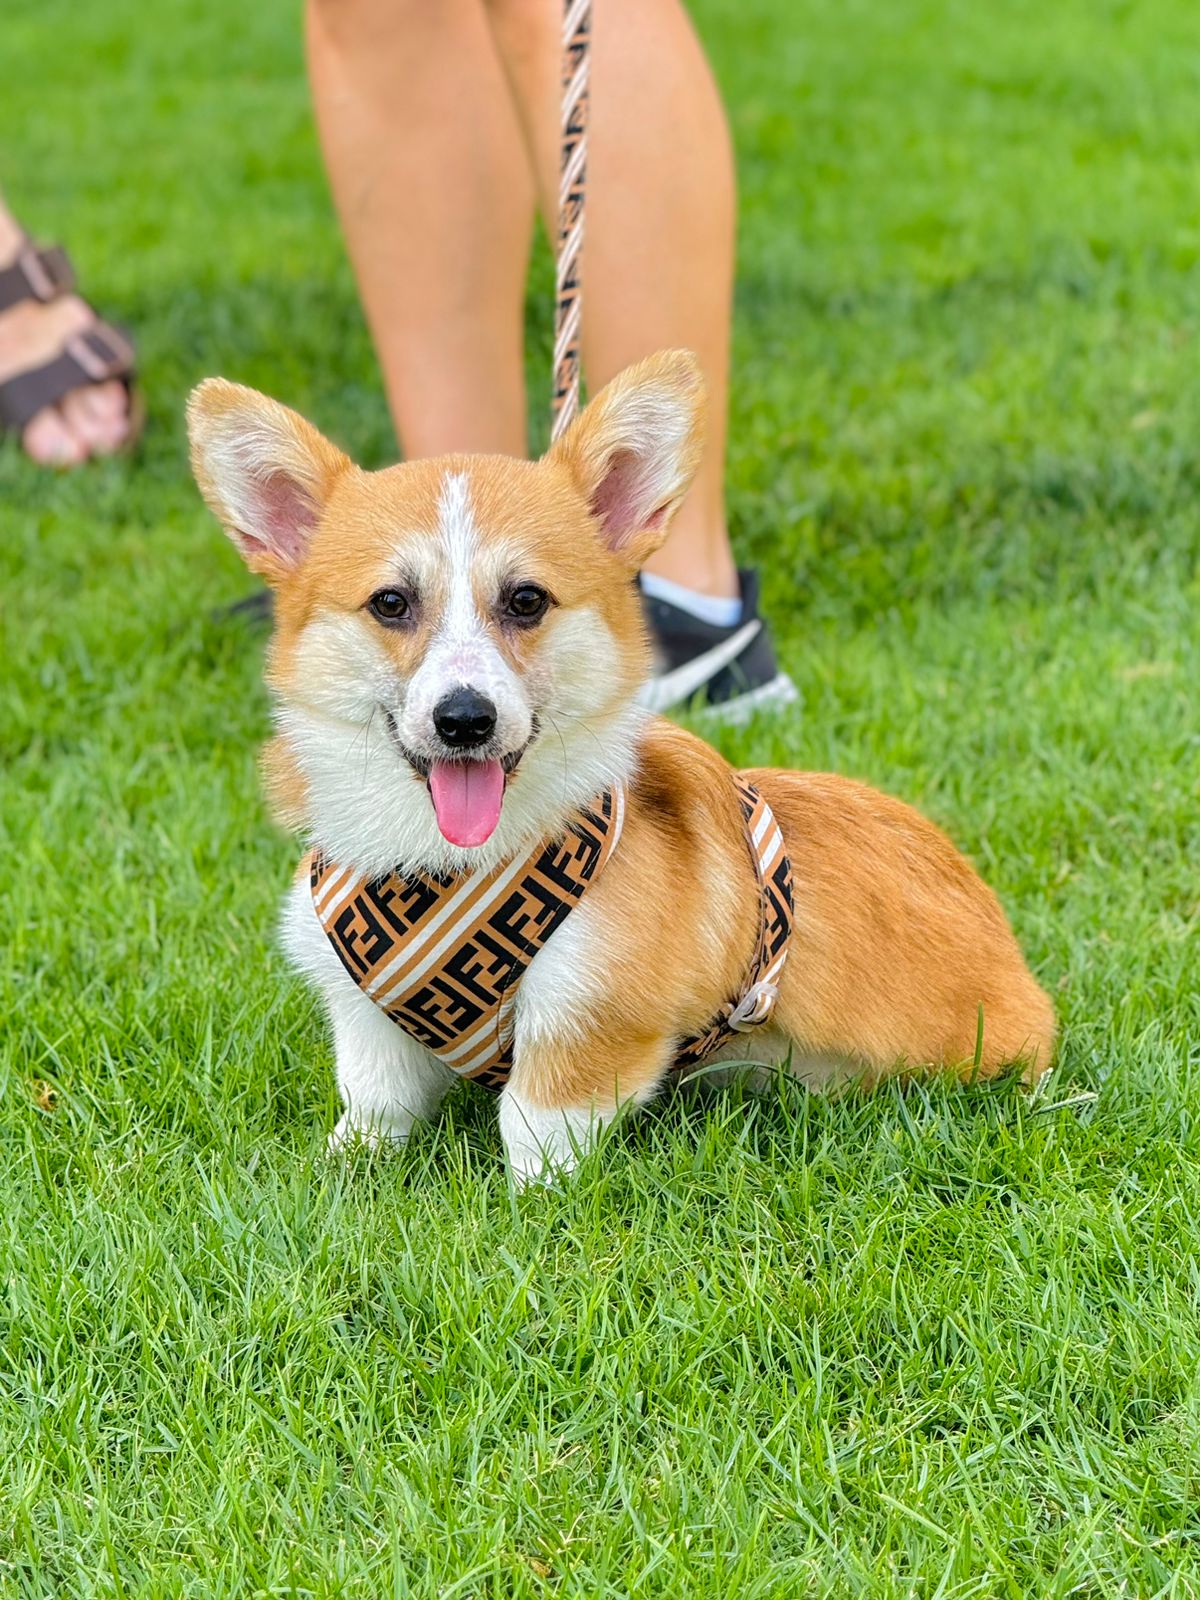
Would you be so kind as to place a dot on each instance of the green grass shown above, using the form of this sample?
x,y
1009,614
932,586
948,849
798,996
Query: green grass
x,y
939,1345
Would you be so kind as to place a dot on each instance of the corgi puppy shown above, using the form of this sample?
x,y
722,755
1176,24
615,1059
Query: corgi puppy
x,y
457,653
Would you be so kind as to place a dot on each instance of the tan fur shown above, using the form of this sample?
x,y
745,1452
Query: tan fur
x,y
284,785
898,944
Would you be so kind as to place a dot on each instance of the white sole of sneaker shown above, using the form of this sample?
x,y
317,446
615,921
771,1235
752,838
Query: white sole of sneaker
x,y
778,692
674,688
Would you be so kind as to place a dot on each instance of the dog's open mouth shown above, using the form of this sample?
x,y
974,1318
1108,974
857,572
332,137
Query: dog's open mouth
x,y
467,792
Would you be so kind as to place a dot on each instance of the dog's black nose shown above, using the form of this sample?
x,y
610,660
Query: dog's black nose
x,y
464,718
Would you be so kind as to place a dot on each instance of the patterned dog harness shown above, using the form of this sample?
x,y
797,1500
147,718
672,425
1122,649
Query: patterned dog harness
x,y
444,955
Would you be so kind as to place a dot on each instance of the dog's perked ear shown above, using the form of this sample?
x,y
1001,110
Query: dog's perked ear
x,y
634,450
265,472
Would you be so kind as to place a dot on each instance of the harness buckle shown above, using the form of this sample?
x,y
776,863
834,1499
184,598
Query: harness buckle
x,y
755,1006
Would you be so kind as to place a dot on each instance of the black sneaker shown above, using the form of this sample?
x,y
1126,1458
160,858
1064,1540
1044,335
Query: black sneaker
x,y
732,671
251,609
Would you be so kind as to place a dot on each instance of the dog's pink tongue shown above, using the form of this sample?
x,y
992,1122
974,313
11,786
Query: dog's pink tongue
x,y
466,797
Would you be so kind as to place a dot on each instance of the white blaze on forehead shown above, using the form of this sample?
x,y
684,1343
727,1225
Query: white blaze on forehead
x,y
460,542
462,650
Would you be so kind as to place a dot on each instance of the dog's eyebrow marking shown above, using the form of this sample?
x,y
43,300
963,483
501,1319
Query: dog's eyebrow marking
x,y
403,573
460,540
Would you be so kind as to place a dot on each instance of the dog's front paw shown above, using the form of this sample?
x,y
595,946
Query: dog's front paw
x,y
543,1145
540,1168
380,1131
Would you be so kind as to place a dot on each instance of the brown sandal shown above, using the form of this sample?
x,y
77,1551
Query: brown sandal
x,y
95,355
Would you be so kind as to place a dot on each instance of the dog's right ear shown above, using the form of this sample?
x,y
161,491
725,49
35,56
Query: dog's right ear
x,y
265,473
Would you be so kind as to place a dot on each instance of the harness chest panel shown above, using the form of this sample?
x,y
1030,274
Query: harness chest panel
x,y
444,956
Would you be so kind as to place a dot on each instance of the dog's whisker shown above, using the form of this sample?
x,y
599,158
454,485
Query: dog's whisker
x,y
364,734
366,739
563,742
586,725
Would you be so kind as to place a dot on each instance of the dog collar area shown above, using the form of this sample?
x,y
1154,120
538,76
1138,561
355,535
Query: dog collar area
x,y
443,955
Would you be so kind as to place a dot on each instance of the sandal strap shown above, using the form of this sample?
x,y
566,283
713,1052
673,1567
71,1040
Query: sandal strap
x,y
36,275
92,356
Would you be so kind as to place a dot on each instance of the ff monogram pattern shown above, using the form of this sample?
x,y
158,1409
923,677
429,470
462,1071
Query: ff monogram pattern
x,y
443,956
774,873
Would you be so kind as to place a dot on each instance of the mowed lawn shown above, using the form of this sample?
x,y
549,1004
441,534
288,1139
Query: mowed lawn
x,y
938,1344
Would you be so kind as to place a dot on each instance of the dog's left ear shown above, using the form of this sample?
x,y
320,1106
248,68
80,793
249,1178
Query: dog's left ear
x,y
634,450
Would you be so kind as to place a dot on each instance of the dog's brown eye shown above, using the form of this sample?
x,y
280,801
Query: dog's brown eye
x,y
526,603
389,605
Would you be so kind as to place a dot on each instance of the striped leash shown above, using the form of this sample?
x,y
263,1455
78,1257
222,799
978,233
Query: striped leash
x,y
568,310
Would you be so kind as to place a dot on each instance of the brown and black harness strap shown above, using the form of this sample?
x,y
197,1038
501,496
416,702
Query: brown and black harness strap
x,y
774,873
